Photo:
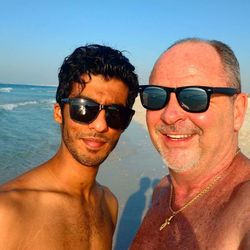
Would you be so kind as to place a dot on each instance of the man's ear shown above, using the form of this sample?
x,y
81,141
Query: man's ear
x,y
240,107
57,113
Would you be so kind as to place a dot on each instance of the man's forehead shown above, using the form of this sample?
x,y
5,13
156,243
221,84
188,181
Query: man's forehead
x,y
187,59
189,52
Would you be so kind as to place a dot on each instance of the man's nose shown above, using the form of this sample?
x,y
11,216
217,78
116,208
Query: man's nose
x,y
172,112
100,124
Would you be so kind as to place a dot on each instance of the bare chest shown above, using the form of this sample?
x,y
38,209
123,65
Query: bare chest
x,y
67,227
202,226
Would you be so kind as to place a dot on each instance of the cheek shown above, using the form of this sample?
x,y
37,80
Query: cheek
x,y
70,129
203,120
114,141
214,126
114,135
68,134
152,118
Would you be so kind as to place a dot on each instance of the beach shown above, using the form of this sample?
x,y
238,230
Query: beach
x,y
30,136
244,138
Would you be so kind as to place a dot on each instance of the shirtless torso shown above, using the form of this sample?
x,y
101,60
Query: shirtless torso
x,y
220,219
37,213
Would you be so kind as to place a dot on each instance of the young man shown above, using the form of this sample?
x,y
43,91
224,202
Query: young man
x,y
195,111
59,204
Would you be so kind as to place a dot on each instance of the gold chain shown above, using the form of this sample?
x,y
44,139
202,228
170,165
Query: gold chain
x,y
201,193
175,212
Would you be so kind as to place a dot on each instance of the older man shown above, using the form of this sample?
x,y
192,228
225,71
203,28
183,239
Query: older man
x,y
195,110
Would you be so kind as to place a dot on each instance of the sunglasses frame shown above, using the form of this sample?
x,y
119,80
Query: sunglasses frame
x,y
208,90
128,112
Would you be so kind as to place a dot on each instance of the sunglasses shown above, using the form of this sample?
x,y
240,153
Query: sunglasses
x,y
193,99
85,111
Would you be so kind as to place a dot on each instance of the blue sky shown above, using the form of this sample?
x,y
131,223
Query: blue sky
x,y
35,36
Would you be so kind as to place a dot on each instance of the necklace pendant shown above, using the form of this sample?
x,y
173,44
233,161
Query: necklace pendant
x,y
163,225
170,218
167,222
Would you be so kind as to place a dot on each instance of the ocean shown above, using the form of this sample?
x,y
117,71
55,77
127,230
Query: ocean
x,y
29,136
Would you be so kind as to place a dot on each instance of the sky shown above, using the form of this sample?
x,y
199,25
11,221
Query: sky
x,y
35,36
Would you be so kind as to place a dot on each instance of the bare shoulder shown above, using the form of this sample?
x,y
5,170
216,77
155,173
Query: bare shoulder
x,y
11,206
111,202
238,183
243,187
23,195
242,205
18,196
241,195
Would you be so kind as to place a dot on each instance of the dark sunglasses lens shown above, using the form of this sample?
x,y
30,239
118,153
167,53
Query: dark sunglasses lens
x,y
153,98
118,117
84,112
193,99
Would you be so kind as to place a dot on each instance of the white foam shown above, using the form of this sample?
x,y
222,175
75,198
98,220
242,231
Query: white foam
x,y
48,101
11,106
6,90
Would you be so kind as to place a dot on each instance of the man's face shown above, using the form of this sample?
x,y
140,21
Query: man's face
x,y
190,140
90,144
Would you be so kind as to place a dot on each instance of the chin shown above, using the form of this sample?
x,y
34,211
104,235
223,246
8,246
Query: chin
x,y
91,162
180,161
180,167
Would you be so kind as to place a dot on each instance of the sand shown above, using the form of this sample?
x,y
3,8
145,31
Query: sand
x,y
244,135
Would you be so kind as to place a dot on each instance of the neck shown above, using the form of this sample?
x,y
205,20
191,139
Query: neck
x,y
188,184
71,176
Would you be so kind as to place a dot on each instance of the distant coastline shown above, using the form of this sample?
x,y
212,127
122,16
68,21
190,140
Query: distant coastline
x,y
29,84
55,86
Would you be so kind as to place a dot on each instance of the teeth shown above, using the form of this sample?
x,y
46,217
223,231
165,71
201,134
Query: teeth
x,y
179,136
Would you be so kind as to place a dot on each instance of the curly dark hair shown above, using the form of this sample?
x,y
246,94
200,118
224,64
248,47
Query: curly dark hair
x,y
95,59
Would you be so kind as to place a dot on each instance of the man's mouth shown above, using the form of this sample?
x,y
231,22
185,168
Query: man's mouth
x,y
94,143
178,137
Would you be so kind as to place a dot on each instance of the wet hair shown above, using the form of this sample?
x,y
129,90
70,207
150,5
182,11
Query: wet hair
x,y
95,59
229,61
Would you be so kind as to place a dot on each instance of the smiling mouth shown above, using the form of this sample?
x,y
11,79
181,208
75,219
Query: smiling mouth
x,y
93,143
178,137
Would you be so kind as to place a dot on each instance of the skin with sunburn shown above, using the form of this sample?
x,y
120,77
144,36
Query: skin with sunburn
x,y
59,204
200,152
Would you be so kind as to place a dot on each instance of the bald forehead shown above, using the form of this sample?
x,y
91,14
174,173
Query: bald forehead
x,y
187,59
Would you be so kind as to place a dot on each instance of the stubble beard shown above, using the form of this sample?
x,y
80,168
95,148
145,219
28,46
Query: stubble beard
x,y
178,159
90,161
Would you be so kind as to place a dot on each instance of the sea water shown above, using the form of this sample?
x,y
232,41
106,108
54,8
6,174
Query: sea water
x,y
28,133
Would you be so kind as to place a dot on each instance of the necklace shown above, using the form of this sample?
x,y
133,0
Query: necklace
x,y
201,193
175,212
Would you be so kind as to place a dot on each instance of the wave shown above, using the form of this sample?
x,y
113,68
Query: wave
x,y
6,90
43,90
11,106
48,101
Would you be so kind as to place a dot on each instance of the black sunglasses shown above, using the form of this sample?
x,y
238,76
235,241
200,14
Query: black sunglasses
x,y
194,99
85,110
